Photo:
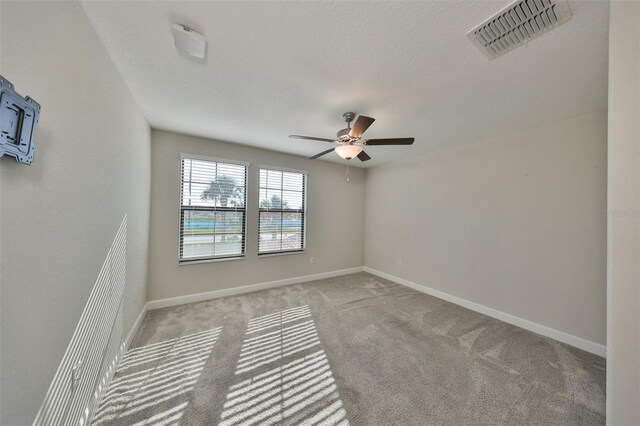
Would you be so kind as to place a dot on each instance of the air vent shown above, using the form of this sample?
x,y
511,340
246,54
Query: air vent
x,y
518,23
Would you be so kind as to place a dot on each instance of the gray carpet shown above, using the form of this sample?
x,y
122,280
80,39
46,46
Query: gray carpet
x,y
356,350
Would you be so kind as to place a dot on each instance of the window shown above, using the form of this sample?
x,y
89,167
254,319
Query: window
x,y
212,209
281,211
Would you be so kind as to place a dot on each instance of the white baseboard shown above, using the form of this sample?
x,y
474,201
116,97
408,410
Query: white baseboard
x,y
134,329
561,336
199,297
115,362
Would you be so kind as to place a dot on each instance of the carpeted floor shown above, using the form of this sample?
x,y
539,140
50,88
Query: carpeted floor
x,y
356,350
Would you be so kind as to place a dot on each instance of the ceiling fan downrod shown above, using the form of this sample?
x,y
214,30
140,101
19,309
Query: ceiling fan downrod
x,y
348,117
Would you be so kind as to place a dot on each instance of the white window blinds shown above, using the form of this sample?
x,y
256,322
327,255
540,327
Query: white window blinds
x,y
212,209
281,211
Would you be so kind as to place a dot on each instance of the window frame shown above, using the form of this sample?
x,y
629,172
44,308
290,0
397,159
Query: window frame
x,y
182,209
305,197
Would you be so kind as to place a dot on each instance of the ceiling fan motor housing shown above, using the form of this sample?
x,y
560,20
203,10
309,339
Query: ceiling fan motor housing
x,y
343,132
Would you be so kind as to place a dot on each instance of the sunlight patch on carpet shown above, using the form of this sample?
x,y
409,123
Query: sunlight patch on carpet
x,y
299,389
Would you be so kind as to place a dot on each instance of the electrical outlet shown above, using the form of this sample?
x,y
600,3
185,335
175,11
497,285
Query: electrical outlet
x,y
312,260
399,261
76,373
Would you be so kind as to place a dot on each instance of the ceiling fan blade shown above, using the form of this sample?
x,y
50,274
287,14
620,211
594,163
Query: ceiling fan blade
x,y
362,123
321,154
311,138
363,156
396,141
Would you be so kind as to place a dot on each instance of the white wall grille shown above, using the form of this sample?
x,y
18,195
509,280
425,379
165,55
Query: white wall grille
x,y
518,23
96,345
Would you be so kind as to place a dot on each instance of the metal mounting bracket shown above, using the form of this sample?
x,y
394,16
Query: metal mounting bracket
x,y
18,119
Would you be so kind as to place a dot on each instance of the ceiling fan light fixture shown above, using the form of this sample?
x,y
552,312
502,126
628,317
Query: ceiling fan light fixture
x,y
348,151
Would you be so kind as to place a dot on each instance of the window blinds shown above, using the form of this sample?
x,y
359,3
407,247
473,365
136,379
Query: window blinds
x,y
281,221
212,209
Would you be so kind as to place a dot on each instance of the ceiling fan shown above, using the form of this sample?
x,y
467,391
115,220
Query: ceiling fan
x,y
349,139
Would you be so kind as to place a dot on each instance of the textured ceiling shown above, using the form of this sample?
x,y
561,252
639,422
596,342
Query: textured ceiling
x,y
276,68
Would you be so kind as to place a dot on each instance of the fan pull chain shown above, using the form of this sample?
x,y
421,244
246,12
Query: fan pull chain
x,y
347,170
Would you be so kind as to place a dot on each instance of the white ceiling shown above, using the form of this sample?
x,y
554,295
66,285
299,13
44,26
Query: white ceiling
x,y
276,68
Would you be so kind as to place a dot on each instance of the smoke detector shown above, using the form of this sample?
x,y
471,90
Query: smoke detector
x,y
518,23
189,41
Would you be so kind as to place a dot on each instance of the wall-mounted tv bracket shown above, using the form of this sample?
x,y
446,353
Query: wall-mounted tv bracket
x,y
18,120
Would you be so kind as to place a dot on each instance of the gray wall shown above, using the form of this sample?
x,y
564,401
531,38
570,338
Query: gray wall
x,y
335,227
623,248
60,215
515,222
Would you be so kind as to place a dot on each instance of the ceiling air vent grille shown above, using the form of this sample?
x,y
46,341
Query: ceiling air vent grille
x,y
518,23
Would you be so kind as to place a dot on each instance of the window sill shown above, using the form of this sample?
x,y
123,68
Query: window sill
x,y
195,262
282,253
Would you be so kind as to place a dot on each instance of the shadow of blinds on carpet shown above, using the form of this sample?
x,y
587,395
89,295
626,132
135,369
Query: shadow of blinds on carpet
x,y
153,383
283,375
